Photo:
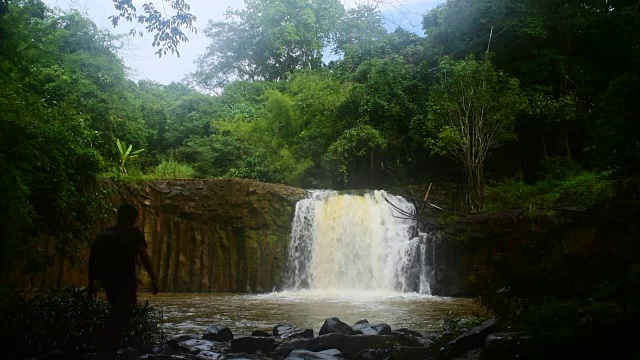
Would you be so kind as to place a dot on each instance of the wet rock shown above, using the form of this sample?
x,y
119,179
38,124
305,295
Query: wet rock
x,y
372,329
281,329
298,334
186,346
217,332
363,321
373,354
409,332
474,354
172,345
260,333
331,354
409,352
167,357
209,355
472,338
200,348
127,354
252,344
502,337
286,347
352,344
335,326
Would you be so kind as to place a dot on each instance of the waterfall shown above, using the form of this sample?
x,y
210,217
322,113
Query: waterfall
x,y
358,242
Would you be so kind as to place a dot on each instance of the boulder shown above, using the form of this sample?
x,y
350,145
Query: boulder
x,y
372,329
209,355
217,332
172,345
409,352
335,326
374,354
331,354
351,345
298,334
127,354
260,333
409,332
281,329
186,346
363,321
288,345
252,344
472,338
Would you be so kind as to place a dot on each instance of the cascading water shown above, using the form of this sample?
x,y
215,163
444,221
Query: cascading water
x,y
358,242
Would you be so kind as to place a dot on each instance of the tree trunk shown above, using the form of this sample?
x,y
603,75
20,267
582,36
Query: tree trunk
x,y
474,187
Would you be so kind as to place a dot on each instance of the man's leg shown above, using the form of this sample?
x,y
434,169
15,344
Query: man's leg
x,y
122,304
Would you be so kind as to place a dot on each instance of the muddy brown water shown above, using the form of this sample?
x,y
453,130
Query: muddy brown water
x,y
189,313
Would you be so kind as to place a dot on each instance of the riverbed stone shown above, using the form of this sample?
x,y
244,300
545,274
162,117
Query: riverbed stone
x,y
127,354
363,321
186,346
330,354
288,345
218,332
372,329
281,329
209,355
261,333
298,334
472,338
253,344
335,326
409,352
409,332
352,344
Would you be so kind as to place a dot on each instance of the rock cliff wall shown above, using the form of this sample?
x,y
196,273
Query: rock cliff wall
x,y
227,235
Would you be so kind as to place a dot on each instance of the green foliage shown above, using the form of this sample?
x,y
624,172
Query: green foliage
x,y
582,190
126,154
68,321
353,143
171,169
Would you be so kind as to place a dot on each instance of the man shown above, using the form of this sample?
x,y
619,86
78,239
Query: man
x,y
113,262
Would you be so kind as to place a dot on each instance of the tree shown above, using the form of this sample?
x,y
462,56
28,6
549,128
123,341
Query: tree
x,y
472,110
267,41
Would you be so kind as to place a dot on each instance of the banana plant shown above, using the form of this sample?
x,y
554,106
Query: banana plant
x,y
126,154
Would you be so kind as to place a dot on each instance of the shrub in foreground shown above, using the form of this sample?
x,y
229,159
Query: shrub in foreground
x,y
66,320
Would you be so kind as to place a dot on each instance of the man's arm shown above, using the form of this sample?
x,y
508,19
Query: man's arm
x,y
146,262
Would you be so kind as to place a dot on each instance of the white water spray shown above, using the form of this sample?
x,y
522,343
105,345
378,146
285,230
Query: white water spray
x,y
357,243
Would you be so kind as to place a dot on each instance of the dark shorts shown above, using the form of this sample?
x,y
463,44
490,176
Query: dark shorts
x,y
123,302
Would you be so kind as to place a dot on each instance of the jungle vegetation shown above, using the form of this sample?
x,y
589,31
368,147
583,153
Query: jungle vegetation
x,y
525,94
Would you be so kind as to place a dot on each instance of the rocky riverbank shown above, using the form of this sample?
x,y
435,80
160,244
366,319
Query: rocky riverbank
x,y
336,340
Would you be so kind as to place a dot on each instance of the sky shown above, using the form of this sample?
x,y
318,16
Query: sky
x,y
140,58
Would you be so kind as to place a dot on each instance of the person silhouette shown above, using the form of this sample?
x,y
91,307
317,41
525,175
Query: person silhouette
x,y
112,261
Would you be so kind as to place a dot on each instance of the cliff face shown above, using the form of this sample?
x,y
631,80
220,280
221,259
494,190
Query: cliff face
x,y
215,234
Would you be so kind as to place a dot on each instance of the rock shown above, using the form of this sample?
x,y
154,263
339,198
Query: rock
x,y
371,354
335,326
372,329
409,332
200,348
252,344
217,332
298,334
350,345
127,354
474,354
260,333
289,345
496,338
173,343
363,321
209,355
281,329
472,338
167,357
331,354
409,352
187,345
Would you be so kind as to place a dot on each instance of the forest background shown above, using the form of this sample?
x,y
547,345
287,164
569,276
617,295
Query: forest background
x,y
521,103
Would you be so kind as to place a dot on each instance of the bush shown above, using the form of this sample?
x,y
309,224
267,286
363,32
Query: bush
x,y
173,170
584,190
68,321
